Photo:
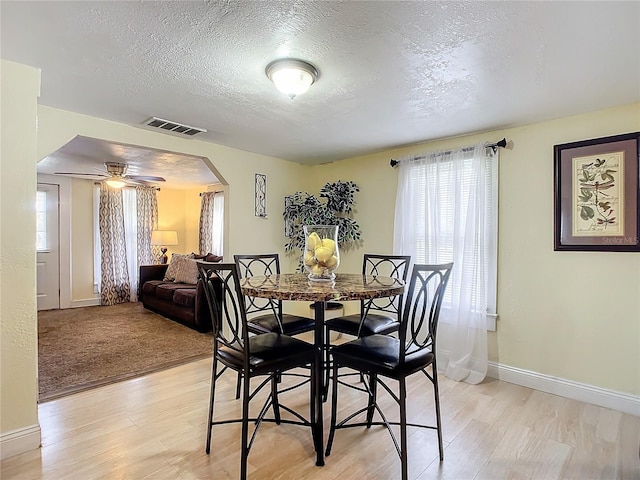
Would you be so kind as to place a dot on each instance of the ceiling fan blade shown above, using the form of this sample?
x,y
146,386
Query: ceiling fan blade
x,y
144,178
82,174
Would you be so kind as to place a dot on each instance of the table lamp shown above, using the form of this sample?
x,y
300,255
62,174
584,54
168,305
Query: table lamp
x,y
162,238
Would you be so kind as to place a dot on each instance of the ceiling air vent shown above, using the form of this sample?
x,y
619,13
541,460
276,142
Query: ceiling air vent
x,y
173,127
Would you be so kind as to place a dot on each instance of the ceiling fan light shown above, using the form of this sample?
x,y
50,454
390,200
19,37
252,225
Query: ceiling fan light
x,y
115,183
291,76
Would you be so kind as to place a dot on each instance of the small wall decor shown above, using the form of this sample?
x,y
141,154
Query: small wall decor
x,y
597,196
261,195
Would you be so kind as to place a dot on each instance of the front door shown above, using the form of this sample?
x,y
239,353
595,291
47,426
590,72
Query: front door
x,y
47,245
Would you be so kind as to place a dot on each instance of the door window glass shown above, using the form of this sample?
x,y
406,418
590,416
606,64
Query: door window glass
x,y
41,221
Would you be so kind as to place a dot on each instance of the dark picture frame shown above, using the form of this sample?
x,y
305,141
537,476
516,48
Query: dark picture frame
x,y
597,194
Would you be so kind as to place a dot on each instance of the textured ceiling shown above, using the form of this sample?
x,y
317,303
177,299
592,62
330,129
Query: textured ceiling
x,y
391,73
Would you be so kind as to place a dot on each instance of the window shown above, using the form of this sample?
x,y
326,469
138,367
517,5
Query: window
x,y
446,211
445,201
41,220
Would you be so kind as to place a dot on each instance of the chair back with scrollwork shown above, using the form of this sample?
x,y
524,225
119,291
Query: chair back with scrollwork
x,y
394,266
423,299
265,264
226,303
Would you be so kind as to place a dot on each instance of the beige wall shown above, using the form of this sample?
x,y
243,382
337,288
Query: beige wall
x,y
20,88
554,319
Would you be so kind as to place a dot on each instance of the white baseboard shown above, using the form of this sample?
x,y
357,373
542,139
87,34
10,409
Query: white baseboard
x,y
19,441
87,302
622,402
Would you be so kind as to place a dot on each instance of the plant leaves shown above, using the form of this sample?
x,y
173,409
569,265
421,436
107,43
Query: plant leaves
x,y
302,208
586,212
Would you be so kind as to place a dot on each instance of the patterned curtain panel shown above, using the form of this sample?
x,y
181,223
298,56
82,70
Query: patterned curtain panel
x,y
205,237
211,223
147,210
115,286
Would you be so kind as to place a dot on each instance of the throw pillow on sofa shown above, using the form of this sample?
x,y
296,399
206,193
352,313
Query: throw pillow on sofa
x,y
170,274
186,271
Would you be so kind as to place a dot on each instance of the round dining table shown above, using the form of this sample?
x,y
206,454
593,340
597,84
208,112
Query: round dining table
x,y
296,286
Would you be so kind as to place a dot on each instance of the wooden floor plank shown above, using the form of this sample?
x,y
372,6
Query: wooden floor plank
x,y
155,427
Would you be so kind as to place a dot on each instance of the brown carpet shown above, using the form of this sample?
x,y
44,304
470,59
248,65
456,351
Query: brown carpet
x,y
82,348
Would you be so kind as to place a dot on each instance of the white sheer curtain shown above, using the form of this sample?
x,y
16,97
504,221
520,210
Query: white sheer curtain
x,y
131,239
446,211
218,224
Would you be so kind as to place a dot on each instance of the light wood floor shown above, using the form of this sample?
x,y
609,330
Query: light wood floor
x,y
154,428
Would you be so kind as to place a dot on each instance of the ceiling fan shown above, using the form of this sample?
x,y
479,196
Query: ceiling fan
x,y
116,176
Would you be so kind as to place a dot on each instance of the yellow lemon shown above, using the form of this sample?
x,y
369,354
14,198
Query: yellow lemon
x,y
313,242
328,243
309,259
317,270
323,254
332,262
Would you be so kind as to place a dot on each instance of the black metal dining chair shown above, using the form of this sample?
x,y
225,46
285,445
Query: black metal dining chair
x,y
265,315
377,316
392,358
267,355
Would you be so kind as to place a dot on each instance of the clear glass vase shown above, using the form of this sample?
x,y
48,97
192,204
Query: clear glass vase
x,y
321,253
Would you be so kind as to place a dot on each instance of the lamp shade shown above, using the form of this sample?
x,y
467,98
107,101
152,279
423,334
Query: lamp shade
x,y
164,237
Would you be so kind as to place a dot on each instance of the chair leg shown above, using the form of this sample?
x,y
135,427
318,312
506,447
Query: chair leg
x,y
211,401
274,397
373,387
244,448
312,410
402,397
437,402
334,409
238,384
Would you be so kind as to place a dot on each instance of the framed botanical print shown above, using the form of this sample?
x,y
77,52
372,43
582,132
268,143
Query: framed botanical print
x,y
597,194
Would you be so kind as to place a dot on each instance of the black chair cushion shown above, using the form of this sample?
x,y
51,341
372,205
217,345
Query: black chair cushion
x,y
380,354
269,352
291,324
373,324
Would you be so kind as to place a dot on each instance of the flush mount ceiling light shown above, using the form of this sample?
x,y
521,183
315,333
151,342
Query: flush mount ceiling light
x,y
292,76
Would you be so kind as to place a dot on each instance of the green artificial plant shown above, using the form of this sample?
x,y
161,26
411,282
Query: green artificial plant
x,y
302,208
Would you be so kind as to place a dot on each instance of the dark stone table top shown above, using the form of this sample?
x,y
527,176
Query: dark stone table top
x,y
296,286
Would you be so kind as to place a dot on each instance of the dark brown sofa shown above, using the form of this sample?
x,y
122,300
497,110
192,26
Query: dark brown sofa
x,y
183,302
